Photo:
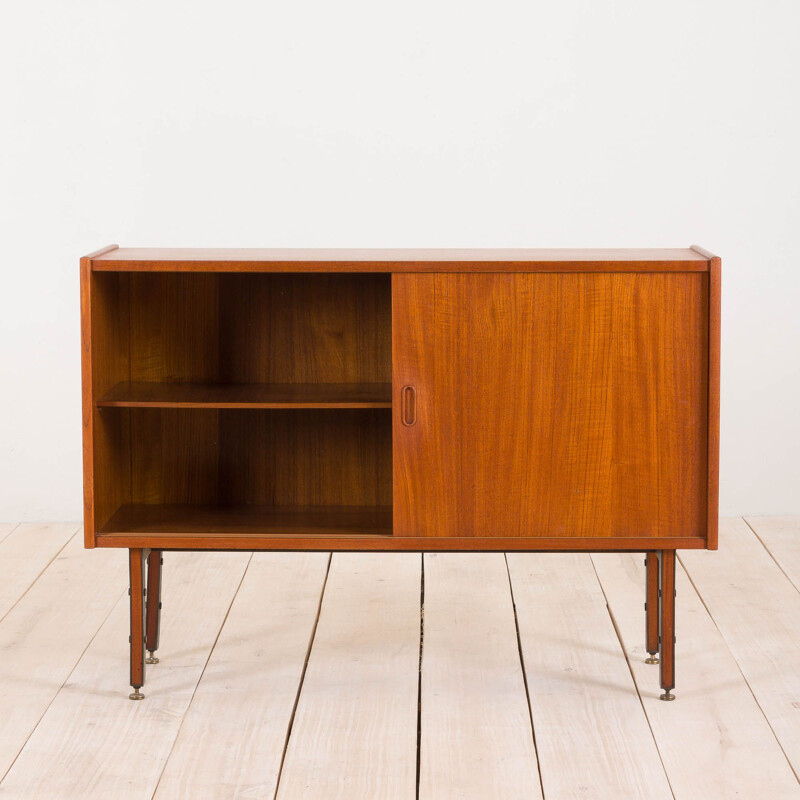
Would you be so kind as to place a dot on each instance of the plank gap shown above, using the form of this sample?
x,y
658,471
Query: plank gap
x,y
7,528
419,669
633,675
200,677
770,554
302,677
63,684
41,572
524,675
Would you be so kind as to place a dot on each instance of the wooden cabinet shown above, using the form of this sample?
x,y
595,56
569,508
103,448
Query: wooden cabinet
x,y
399,400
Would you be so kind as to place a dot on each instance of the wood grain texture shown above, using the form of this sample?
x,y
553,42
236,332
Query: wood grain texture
x,y
25,553
105,349
195,520
43,636
174,455
586,393
355,728
713,740
305,328
248,395
757,610
296,457
399,260
303,457
714,342
174,327
136,576
232,738
87,403
591,733
155,560
93,742
667,627
476,739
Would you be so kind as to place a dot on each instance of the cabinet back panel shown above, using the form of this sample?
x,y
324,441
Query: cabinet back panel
x,y
279,328
307,458
551,404
291,328
174,322
175,455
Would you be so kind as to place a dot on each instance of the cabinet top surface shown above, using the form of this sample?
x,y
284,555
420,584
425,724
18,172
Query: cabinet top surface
x,y
389,260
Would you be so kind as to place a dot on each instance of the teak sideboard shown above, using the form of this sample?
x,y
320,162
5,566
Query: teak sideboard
x,y
428,400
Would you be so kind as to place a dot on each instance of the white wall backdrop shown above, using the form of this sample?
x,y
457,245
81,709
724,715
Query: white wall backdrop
x,y
399,124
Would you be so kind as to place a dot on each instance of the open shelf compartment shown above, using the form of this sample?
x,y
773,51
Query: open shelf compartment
x,y
254,404
194,521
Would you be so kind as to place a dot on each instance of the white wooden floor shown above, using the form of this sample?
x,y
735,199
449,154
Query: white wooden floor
x,y
294,675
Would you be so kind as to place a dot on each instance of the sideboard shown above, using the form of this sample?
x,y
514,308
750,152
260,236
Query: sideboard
x,y
427,400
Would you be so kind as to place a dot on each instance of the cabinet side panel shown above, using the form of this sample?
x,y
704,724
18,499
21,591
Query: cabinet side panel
x,y
105,344
87,404
426,454
714,331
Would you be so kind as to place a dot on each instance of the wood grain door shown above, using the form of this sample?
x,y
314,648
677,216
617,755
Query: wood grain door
x,y
550,404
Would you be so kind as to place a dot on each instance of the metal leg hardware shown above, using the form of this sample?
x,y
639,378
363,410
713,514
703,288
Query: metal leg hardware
x,y
666,580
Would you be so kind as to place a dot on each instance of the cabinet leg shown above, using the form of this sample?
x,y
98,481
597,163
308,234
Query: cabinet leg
x,y
651,608
667,621
137,598
155,561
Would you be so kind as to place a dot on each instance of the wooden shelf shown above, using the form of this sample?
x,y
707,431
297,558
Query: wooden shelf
x,y
186,522
248,395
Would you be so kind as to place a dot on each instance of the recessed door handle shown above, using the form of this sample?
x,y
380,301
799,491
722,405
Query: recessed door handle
x,y
408,405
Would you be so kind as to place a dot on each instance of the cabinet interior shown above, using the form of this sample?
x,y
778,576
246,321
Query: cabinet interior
x,y
242,402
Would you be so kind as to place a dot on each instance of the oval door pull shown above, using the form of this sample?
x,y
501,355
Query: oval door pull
x,y
408,405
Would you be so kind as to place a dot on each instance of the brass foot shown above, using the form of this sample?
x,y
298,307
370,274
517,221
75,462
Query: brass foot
x,y
151,659
652,659
136,694
667,696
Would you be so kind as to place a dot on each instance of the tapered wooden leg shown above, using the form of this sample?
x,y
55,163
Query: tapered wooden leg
x,y
153,613
651,608
136,591
667,626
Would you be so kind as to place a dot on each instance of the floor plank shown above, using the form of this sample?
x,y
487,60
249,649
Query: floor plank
x,y
476,739
781,537
591,733
45,633
95,743
232,738
355,730
24,554
714,740
757,610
